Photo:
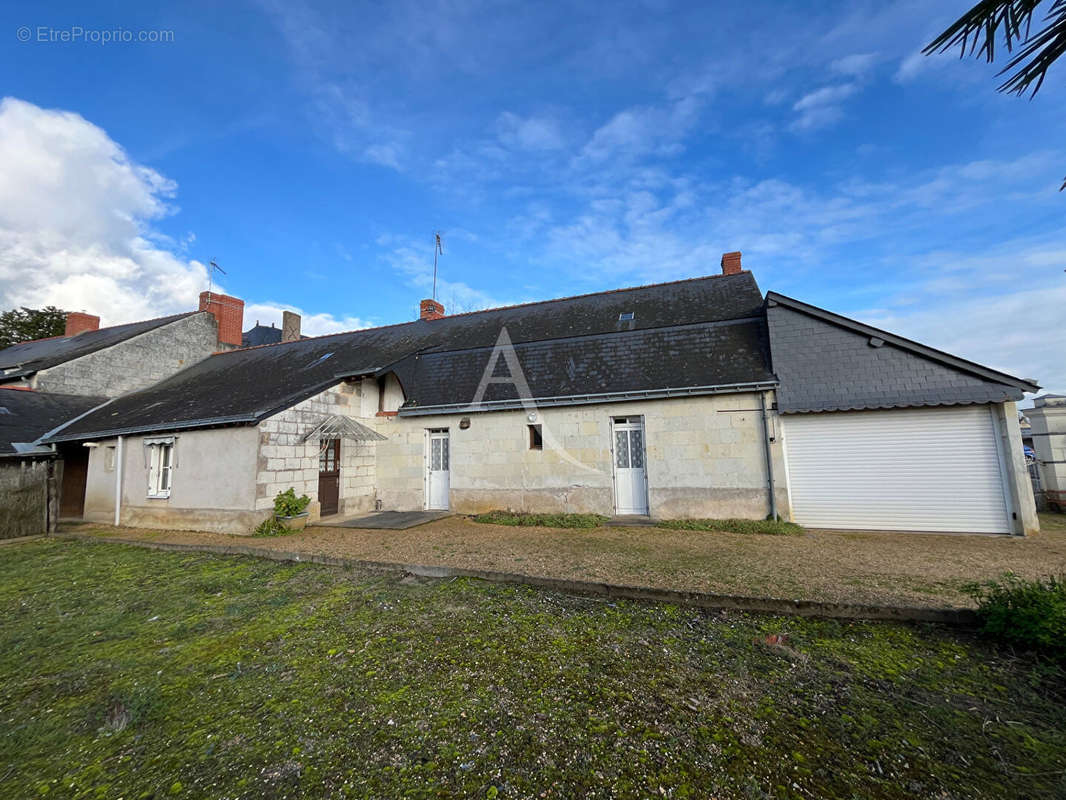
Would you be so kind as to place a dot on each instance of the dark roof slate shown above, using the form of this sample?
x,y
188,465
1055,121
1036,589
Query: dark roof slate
x,y
26,358
251,384
827,362
26,415
259,335
688,356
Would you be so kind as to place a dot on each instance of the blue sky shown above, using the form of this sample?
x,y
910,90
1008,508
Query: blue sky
x,y
313,149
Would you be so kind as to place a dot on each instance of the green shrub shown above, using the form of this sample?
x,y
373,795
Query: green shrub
x,y
271,526
542,520
1025,613
287,504
771,527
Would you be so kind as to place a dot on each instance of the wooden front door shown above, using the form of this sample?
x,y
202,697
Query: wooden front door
x,y
329,476
72,493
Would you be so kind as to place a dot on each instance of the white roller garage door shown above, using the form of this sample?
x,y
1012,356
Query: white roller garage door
x,y
934,469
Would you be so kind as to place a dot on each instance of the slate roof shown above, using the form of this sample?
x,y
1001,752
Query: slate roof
x,y
695,333
21,360
25,416
258,335
827,362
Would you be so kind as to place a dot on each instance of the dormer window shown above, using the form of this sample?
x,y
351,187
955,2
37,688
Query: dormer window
x,y
626,316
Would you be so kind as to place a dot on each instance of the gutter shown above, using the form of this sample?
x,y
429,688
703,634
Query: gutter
x,y
151,428
587,399
769,457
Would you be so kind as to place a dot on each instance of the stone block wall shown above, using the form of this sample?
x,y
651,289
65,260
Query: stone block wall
x,y
705,458
285,461
135,363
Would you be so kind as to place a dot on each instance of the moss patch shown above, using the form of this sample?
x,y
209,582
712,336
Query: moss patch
x,y
133,673
541,520
764,526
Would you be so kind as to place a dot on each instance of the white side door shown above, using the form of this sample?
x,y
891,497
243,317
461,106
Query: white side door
x,y
630,484
437,474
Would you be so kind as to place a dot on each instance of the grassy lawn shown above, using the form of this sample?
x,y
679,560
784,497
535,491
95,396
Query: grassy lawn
x,y
132,673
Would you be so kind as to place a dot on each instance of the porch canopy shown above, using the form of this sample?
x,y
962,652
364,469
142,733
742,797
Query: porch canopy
x,y
336,426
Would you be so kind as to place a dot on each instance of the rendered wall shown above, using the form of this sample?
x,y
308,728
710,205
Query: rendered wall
x,y
705,458
135,363
212,484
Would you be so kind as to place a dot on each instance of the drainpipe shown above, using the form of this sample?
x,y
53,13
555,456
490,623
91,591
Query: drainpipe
x,y
118,482
769,456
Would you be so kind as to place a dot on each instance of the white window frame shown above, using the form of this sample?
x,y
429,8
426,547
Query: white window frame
x,y
160,467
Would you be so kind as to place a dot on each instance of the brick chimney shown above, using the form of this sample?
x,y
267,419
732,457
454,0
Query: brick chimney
x,y
78,322
731,263
431,309
290,326
229,313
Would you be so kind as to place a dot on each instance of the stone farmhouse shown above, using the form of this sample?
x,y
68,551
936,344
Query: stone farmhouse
x,y
697,398
62,377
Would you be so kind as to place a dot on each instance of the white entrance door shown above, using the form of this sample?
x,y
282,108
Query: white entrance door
x,y
918,469
631,488
437,475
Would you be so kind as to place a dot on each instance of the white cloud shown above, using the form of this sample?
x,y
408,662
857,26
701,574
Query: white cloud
x,y
642,131
855,65
821,107
76,230
75,222
911,67
529,133
268,313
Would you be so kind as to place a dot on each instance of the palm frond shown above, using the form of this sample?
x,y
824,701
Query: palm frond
x,y
977,30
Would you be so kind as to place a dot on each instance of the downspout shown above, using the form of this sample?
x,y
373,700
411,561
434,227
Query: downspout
x,y
118,482
769,457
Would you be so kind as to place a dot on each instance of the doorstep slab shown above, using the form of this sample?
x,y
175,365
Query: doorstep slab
x,y
384,520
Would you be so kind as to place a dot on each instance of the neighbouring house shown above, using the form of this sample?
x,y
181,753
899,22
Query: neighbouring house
x,y
85,367
30,473
697,398
1047,419
259,335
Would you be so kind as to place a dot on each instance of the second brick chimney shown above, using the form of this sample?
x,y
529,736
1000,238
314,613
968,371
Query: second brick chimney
x,y
79,322
731,263
229,313
431,309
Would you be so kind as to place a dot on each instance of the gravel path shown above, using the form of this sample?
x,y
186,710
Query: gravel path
x,y
849,567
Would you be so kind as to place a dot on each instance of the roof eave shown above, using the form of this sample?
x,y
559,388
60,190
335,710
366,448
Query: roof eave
x,y
215,422
587,399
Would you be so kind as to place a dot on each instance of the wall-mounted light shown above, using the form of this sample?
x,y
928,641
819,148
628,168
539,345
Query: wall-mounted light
x,y
532,416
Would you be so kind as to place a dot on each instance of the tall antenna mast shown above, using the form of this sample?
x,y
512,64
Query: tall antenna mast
x,y
212,266
438,249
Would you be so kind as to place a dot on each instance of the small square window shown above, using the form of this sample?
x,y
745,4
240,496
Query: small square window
x,y
536,439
